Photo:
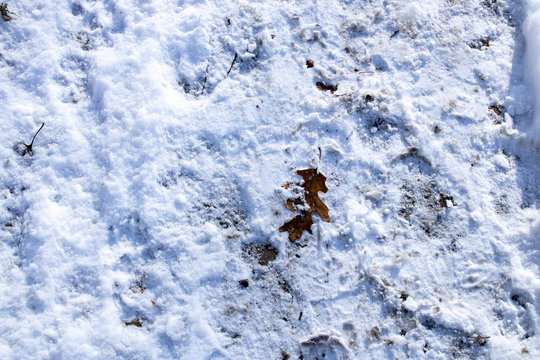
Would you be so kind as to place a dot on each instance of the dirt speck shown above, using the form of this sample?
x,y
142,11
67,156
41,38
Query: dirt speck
x,y
444,200
326,87
264,254
497,109
135,322
375,333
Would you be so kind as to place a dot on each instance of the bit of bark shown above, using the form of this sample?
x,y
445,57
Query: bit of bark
x,y
5,12
496,109
324,87
135,322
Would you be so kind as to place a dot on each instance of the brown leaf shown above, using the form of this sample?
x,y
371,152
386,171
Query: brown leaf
x,y
292,204
313,183
289,205
297,225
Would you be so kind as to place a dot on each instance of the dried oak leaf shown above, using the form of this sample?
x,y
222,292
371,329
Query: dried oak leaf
x,y
313,183
293,204
297,225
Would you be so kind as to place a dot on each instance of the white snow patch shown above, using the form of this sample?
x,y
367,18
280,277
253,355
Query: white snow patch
x,y
531,30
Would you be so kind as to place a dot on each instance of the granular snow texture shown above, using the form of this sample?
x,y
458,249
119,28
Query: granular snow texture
x,y
145,222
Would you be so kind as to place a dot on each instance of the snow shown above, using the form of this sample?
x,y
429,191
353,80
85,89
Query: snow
x,y
145,223
531,30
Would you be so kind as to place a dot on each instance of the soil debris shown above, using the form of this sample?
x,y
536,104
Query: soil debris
x,y
135,322
325,87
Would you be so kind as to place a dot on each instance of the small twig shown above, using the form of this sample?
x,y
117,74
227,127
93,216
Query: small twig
x,y
205,78
482,340
28,149
413,152
234,60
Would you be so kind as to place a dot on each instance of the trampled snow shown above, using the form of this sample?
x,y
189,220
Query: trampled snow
x,y
145,222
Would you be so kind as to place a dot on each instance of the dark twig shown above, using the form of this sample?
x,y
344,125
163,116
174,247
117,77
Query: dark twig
x,y
482,340
413,152
205,78
28,149
234,60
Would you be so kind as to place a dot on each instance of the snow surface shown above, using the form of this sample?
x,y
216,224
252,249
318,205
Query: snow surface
x,y
531,30
145,223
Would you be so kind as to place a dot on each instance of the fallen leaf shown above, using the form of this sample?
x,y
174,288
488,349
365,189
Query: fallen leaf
x,y
289,205
292,204
297,225
313,183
